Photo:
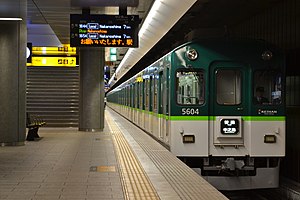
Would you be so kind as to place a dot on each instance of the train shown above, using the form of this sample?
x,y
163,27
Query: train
x,y
218,105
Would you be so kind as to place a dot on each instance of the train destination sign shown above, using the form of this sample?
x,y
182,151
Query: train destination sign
x,y
230,126
104,30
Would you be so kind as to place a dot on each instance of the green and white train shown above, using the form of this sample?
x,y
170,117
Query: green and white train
x,y
218,105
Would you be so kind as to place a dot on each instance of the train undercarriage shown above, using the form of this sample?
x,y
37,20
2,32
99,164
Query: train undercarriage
x,y
237,173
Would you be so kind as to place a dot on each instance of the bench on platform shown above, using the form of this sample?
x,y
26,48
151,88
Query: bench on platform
x,y
33,123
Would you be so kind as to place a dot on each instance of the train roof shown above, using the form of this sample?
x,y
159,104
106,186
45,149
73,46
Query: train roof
x,y
248,45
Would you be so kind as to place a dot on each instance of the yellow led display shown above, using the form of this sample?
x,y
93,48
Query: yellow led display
x,y
65,50
53,61
139,79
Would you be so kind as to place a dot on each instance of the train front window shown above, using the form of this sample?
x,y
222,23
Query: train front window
x,y
267,88
229,87
190,87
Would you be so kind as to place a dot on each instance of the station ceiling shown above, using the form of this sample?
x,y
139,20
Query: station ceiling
x,y
56,14
204,18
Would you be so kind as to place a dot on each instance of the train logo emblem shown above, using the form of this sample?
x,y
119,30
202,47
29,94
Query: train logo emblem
x,y
229,126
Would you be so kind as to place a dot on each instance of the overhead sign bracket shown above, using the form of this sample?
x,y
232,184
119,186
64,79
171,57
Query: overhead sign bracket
x,y
123,10
86,11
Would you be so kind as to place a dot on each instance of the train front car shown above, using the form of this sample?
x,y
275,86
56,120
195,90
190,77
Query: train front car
x,y
227,111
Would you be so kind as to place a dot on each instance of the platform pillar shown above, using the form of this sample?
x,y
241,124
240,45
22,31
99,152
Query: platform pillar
x,y
91,99
13,41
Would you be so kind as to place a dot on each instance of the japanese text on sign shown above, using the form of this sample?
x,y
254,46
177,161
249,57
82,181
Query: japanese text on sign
x,y
229,126
53,61
108,42
104,30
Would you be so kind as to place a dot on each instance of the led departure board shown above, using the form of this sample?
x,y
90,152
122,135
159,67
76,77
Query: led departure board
x,y
104,30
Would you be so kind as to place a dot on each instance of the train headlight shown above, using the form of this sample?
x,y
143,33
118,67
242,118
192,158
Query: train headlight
x,y
267,55
192,54
270,138
188,139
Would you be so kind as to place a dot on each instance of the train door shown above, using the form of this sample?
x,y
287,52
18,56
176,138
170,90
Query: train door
x,y
128,102
228,103
147,104
140,98
167,106
164,128
131,102
154,122
160,102
142,105
136,103
151,104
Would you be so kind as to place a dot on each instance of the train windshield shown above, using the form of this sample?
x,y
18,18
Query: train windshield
x,y
229,87
267,88
190,87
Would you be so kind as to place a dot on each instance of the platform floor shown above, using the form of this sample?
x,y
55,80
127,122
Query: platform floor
x,y
122,162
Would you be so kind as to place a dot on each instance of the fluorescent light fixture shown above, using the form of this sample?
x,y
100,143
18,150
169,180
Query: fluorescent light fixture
x,y
111,79
10,19
150,17
27,52
152,30
155,7
124,59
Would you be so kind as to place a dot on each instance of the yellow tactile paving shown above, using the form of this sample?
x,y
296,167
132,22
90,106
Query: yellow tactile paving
x,y
135,182
106,169
180,179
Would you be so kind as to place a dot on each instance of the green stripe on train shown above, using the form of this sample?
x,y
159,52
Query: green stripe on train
x,y
212,118
263,118
189,118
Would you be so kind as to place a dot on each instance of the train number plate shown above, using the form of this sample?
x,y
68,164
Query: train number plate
x,y
190,111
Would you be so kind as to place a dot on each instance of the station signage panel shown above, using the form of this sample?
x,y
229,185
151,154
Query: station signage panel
x,y
104,30
64,50
53,61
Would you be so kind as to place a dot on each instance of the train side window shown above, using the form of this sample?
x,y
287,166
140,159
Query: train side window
x,y
267,88
190,87
228,84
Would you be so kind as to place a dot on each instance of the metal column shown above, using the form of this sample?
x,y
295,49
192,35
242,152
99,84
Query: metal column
x,y
13,40
91,99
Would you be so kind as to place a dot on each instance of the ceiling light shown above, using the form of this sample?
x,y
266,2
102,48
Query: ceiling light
x,y
150,17
10,19
152,30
